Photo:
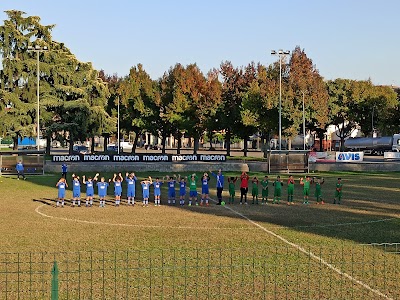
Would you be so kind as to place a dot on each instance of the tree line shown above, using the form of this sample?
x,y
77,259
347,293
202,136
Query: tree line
x,y
78,102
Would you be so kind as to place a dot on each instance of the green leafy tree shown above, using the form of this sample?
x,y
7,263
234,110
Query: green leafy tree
x,y
140,98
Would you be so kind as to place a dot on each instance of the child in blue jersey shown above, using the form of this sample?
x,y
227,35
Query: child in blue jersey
x,y
157,191
146,190
131,182
182,190
102,191
117,188
89,188
76,190
204,189
62,186
171,189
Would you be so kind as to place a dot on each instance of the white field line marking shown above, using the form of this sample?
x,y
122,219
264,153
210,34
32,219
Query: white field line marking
x,y
133,225
316,257
207,228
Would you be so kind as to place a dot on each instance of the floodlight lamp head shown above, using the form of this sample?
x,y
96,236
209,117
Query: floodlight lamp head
x,y
280,51
273,52
37,47
286,52
30,48
45,48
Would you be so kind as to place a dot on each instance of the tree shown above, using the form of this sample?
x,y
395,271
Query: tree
x,y
140,98
351,102
71,94
229,112
304,82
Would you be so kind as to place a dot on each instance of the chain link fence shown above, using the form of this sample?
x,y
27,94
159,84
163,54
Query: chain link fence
x,y
359,272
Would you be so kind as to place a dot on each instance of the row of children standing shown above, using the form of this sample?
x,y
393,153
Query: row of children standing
x,y
130,178
278,184
191,182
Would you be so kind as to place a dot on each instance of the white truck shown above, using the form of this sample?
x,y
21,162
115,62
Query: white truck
x,y
374,145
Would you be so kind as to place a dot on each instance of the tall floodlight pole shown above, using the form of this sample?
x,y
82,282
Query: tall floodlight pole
x,y
38,49
304,126
281,54
118,128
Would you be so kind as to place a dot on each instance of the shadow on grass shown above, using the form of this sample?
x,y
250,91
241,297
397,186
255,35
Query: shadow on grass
x,y
367,215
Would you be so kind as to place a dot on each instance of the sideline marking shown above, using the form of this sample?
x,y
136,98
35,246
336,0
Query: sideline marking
x,y
311,254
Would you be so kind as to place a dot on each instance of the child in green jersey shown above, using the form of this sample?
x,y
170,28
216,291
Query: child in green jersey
x,y
192,181
338,191
264,190
278,190
254,190
306,188
232,181
318,191
290,190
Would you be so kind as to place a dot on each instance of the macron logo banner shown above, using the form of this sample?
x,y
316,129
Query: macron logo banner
x,y
349,156
139,158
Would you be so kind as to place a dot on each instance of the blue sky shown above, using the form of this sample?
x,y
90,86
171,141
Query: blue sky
x,y
355,39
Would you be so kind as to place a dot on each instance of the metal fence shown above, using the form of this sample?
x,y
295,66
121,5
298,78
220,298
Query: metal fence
x,y
362,272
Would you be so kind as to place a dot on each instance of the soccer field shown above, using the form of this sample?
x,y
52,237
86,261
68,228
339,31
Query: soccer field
x,y
276,245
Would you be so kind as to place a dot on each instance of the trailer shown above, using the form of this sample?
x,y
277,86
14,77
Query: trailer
x,y
377,145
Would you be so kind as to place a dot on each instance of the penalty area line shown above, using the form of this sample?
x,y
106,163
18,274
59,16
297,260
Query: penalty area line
x,y
311,254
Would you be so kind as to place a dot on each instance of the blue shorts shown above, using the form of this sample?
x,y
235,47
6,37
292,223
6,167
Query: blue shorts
x,y
76,194
117,193
193,194
182,192
205,190
157,193
131,193
102,195
146,195
171,194
61,195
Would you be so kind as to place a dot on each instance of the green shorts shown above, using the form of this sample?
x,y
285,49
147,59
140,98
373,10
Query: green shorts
x,y
338,194
277,193
232,192
306,192
290,191
254,192
264,193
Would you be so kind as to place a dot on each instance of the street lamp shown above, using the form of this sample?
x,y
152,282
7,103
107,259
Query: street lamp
x,y
304,126
281,54
38,49
118,129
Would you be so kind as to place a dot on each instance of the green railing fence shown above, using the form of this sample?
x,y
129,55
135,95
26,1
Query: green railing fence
x,y
340,272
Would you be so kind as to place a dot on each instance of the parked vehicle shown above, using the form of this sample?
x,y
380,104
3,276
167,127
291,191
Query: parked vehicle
x,y
377,145
80,149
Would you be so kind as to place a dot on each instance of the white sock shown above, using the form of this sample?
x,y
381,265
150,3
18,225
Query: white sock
x,y
133,201
62,203
79,202
129,201
73,202
58,203
87,202
91,202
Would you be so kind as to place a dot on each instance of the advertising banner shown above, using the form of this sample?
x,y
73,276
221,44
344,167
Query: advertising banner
x,y
349,156
391,155
139,158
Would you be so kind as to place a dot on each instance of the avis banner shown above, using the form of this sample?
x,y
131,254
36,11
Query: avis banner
x,y
349,156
